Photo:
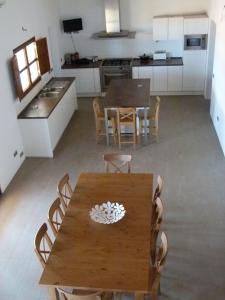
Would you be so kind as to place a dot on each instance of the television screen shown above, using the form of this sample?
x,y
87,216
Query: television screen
x,y
72,25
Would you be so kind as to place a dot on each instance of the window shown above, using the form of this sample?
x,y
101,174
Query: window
x,y
26,67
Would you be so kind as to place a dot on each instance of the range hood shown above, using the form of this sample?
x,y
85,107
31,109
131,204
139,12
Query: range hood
x,y
112,18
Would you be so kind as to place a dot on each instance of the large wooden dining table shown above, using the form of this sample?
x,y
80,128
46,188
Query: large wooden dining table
x,y
133,93
92,256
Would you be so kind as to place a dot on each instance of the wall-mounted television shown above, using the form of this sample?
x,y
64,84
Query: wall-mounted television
x,y
73,25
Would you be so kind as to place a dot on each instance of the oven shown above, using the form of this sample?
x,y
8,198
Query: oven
x,y
195,42
115,69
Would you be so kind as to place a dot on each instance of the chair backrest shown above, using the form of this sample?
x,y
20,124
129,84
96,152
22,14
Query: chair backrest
x,y
160,261
162,253
159,187
79,295
65,191
55,216
126,115
157,107
159,214
96,107
117,162
43,244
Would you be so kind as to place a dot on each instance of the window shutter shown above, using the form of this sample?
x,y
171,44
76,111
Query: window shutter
x,y
16,74
43,56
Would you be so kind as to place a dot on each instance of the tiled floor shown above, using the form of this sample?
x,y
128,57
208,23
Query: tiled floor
x,y
189,158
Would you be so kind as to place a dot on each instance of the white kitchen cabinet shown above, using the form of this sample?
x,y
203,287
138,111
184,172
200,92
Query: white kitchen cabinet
x,y
176,28
160,29
41,135
160,79
135,72
87,80
175,78
143,73
194,70
196,25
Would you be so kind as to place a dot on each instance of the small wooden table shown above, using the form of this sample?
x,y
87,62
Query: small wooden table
x,y
128,93
116,257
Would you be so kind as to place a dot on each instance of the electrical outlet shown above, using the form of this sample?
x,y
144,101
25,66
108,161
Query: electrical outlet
x,y
218,119
15,153
21,154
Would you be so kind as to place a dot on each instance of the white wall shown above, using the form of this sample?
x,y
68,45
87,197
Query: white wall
x,y
38,17
135,15
217,14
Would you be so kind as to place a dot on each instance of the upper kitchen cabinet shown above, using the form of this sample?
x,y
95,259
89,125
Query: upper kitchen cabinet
x,y
196,25
160,29
176,28
168,28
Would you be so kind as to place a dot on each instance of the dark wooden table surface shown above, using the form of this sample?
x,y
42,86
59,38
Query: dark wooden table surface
x,y
128,93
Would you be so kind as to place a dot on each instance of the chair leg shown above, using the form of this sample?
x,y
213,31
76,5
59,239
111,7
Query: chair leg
x,y
114,130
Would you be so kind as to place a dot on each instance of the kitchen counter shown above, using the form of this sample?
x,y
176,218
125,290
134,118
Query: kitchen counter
x,y
42,107
173,61
91,64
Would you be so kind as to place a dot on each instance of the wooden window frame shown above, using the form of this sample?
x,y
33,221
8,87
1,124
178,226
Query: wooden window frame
x,y
20,93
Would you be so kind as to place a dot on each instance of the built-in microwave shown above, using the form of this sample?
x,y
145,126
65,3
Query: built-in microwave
x,y
195,42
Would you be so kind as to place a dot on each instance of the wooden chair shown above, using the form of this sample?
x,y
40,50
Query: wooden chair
x,y
153,119
126,117
100,121
43,244
157,221
117,162
79,295
159,266
55,216
159,188
65,191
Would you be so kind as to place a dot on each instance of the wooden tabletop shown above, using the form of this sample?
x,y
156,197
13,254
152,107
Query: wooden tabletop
x,y
128,93
112,257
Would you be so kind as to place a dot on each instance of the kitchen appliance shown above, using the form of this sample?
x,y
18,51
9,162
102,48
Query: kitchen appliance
x,y
112,19
160,55
195,42
115,69
73,25
144,58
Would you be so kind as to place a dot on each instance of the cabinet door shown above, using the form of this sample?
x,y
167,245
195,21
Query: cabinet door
x,y
160,29
194,70
146,73
97,80
196,26
135,73
160,79
86,81
175,78
176,28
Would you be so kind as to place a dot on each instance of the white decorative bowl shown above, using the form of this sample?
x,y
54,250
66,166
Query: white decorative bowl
x,y
107,213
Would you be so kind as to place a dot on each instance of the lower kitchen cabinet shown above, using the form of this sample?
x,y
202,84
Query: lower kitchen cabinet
x,y
41,135
175,78
160,79
194,71
87,80
143,73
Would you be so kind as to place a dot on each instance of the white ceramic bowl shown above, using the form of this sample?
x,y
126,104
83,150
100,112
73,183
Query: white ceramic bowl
x,y
107,213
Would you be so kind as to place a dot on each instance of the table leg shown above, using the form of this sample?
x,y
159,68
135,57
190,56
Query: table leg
x,y
106,126
146,125
52,294
139,296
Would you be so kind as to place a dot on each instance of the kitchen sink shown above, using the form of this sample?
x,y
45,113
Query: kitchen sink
x,y
49,94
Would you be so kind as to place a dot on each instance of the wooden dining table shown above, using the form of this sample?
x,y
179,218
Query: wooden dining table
x,y
133,93
92,256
